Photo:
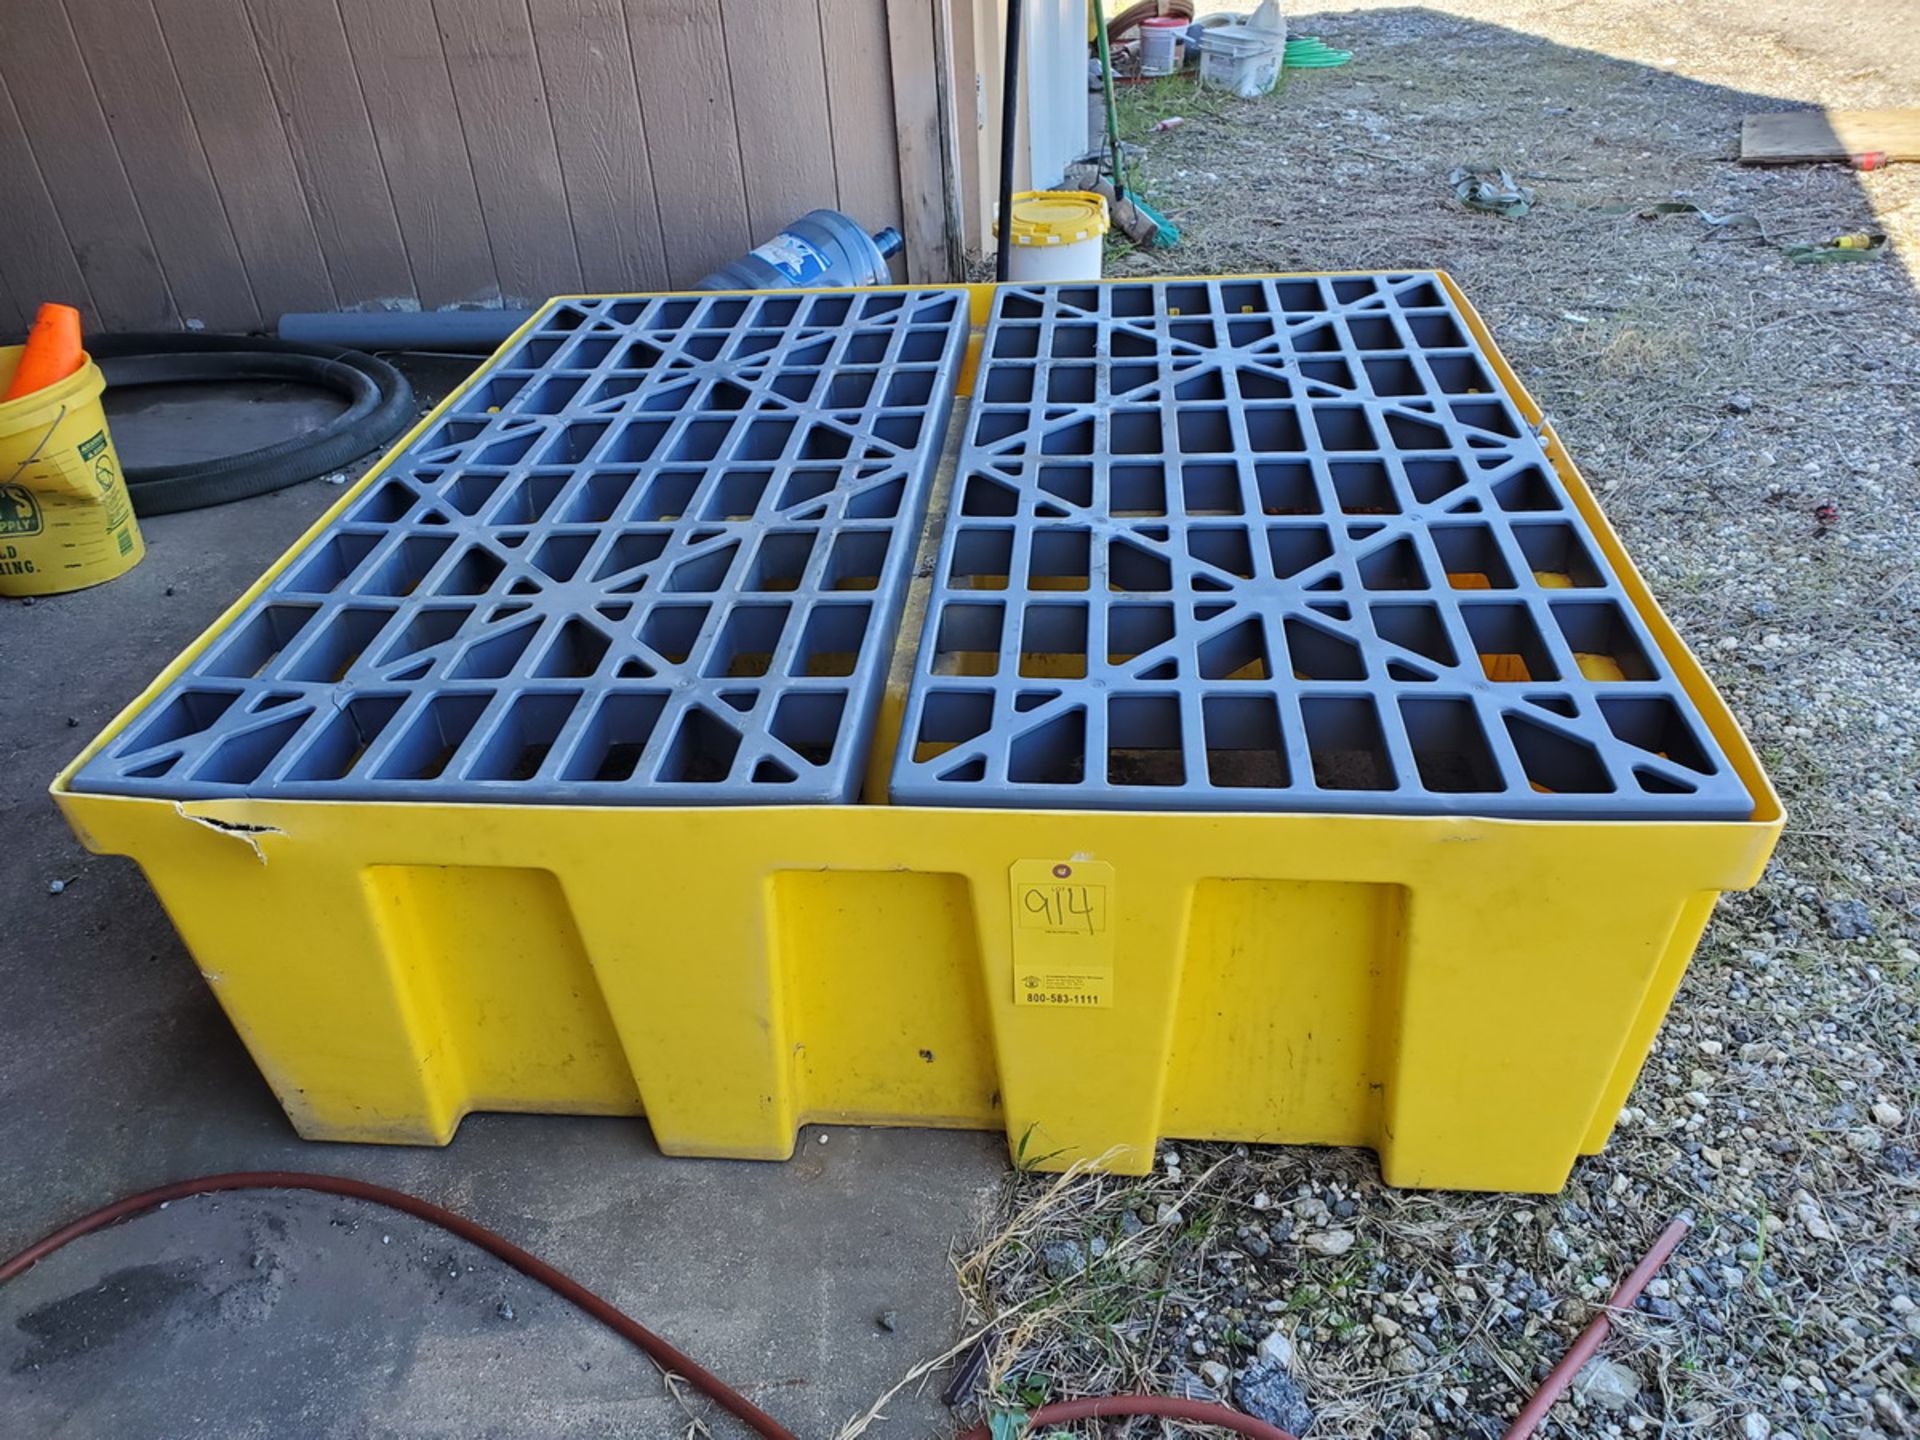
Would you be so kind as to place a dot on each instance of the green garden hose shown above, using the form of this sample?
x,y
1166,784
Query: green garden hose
x,y
1310,52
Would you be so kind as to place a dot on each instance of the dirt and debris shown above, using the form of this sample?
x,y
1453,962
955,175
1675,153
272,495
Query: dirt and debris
x,y
1752,427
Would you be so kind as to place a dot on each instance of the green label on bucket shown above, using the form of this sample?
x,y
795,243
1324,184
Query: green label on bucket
x,y
91,448
19,511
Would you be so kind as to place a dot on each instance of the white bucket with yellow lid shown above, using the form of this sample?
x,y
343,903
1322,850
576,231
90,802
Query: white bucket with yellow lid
x,y
1057,235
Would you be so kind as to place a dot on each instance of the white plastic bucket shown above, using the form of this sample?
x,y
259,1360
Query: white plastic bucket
x,y
1161,43
1057,235
1242,60
1075,260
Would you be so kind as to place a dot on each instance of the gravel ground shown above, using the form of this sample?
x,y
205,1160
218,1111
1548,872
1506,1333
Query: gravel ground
x,y
1752,428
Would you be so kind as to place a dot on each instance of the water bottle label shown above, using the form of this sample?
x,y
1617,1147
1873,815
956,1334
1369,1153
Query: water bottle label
x,y
792,256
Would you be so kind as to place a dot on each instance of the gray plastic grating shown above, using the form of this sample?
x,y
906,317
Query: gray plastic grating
x,y
1279,544
654,554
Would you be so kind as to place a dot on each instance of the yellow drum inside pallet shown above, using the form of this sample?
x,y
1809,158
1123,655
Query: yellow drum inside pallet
x,y
1471,998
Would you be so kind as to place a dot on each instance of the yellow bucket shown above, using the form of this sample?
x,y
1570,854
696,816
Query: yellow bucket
x,y
66,521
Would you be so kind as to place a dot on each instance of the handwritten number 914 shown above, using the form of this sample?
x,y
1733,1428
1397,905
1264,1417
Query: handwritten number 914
x,y
1061,907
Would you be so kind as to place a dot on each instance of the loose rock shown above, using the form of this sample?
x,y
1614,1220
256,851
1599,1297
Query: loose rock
x,y
1268,1393
1807,1210
1329,1242
1607,1383
1849,920
1063,1258
1276,1349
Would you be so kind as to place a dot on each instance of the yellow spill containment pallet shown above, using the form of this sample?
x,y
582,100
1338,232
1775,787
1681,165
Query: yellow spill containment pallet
x,y
1320,924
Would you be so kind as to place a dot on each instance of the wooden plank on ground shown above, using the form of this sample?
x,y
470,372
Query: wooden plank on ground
x,y
587,59
36,262
314,83
516,165
416,123
780,102
225,82
680,59
46,73
915,59
866,156
1794,137
153,131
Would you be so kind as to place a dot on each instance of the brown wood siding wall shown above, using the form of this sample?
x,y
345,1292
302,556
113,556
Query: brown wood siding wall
x,y
221,162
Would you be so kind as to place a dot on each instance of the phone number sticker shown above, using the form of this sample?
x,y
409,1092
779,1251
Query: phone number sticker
x,y
1062,939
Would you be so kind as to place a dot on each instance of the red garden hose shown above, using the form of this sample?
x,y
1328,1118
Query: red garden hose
x,y
1589,1339
725,1396
567,1288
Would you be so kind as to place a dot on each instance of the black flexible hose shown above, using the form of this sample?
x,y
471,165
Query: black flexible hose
x,y
379,405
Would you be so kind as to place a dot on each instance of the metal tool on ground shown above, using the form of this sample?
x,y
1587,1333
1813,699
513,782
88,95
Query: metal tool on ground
x,y
1860,245
1745,225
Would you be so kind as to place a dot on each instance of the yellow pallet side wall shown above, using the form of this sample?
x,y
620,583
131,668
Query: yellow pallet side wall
x,y
1470,998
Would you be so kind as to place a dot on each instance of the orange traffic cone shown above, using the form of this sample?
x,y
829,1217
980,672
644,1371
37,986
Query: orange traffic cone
x,y
53,352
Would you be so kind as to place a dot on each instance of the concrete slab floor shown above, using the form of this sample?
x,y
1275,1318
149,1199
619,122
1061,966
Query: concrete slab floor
x,y
301,1315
